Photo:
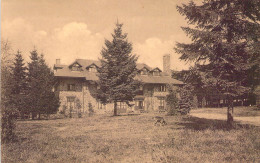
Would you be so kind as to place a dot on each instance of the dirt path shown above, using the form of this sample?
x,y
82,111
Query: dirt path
x,y
245,120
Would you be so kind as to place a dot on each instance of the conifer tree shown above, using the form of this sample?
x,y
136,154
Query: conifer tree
x,y
118,69
19,84
7,108
41,99
225,44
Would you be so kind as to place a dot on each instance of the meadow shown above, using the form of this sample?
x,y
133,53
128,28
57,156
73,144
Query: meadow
x,y
132,138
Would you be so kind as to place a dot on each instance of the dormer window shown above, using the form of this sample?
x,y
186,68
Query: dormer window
x,y
76,67
156,72
92,69
144,71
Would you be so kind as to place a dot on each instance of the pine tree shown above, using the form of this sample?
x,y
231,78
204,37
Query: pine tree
x,y
18,84
7,108
118,69
41,99
225,44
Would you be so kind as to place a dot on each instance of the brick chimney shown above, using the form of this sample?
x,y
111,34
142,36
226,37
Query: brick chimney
x,y
167,64
58,61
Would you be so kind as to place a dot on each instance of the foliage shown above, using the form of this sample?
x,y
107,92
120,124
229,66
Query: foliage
x,y
225,44
90,109
63,111
186,99
78,105
118,69
203,102
172,101
18,84
8,110
41,98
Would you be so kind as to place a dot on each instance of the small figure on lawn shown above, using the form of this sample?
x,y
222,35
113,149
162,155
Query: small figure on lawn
x,y
160,121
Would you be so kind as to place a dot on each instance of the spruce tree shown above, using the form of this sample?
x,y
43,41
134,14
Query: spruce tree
x,y
8,110
41,99
118,69
225,44
18,83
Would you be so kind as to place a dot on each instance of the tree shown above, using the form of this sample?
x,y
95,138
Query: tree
x,y
118,69
172,101
7,108
41,98
225,44
18,84
186,102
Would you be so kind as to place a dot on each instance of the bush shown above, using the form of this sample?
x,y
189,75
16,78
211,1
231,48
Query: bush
x,y
172,102
8,125
63,111
186,102
90,109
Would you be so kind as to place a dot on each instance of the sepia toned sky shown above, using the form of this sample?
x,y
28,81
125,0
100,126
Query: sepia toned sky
x,y
70,29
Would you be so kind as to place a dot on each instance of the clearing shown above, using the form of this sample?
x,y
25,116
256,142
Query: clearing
x,y
244,115
135,138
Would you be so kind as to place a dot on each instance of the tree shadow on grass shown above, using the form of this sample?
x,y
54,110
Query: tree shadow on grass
x,y
196,123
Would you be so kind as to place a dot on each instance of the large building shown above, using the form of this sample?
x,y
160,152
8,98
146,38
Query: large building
x,y
77,86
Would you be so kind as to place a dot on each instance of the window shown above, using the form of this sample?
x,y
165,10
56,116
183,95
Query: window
x,y
71,87
76,67
144,72
121,105
92,69
156,73
161,103
162,88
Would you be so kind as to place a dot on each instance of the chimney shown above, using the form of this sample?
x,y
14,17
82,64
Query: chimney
x,y
167,64
58,61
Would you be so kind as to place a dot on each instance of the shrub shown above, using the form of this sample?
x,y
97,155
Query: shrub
x,y
172,101
7,125
90,109
186,102
78,105
63,111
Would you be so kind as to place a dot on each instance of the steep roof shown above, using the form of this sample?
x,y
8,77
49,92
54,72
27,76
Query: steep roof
x,y
65,71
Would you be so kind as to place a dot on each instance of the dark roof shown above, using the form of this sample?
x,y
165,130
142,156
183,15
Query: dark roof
x,y
65,71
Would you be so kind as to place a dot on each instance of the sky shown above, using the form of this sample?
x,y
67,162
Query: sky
x,y
77,29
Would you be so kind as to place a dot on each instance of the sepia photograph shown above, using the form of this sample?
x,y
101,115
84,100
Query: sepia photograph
x,y
131,81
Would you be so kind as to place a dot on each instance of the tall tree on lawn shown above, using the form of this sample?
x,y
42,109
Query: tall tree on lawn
x,y
19,84
225,44
118,69
41,99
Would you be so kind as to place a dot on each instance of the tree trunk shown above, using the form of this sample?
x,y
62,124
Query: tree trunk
x,y
22,115
33,115
115,108
230,111
39,117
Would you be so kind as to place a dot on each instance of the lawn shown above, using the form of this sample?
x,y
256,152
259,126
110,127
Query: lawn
x,y
135,138
240,111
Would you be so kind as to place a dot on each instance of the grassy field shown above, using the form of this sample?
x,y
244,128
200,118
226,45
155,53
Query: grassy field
x,y
240,111
135,138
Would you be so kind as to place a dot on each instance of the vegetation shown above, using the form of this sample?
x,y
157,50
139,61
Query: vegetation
x,y
40,97
186,101
90,109
118,69
132,139
19,85
225,45
172,102
8,110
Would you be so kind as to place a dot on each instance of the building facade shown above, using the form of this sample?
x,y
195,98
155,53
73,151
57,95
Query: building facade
x,y
77,87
